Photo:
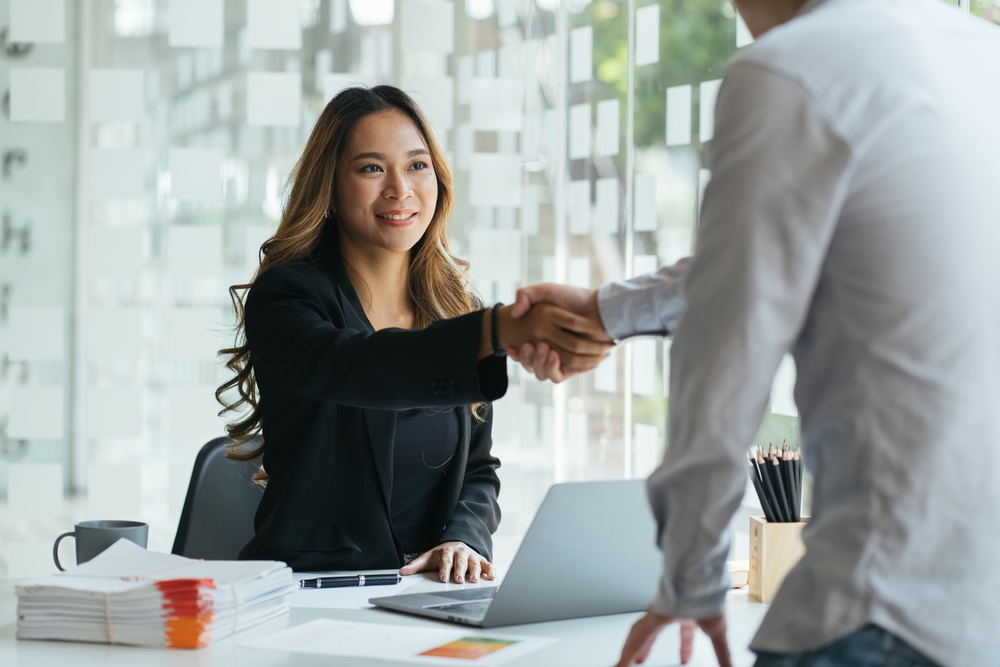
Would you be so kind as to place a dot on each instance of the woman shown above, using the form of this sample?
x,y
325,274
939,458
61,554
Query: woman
x,y
367,365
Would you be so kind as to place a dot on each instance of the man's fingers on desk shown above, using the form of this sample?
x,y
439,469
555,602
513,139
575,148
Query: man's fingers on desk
x,y
715,627
687,640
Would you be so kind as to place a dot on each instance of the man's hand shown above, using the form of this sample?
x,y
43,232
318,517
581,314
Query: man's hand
x,y
542,360
646,629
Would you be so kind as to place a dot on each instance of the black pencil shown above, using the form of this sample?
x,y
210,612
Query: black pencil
x,y
766,485
779,488
754,473
788,480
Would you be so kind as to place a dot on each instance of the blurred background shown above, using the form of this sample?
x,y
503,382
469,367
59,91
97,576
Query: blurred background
x,y
145,147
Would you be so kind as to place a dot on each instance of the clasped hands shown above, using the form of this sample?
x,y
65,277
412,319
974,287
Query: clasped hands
x,y
554,331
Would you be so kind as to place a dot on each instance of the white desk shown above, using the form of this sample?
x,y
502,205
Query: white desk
x,y
582,642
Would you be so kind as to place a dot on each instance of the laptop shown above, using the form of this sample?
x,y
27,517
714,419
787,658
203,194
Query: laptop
x,y
589,552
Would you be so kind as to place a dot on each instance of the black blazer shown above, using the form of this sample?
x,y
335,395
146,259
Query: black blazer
x,y
329,388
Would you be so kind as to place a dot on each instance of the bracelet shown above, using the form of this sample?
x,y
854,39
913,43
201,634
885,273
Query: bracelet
x,y
494,339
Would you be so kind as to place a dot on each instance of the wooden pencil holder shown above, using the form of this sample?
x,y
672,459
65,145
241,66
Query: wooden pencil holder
x,y
774,549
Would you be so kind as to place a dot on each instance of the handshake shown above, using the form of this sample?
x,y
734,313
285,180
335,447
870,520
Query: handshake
x,y
554,331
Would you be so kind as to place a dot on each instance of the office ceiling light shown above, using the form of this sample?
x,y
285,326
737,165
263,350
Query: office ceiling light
x,y
134,18
372,12
479,9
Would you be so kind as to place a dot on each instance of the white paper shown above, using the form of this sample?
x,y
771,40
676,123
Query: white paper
x,y
338,16
579,207
36,333
114,491
273,24
354,597
116,174
647,35
578,272
506,13
116,95
253,239
37,94
497,105
709,91
486,63
197,23
34,489
194,334
667,344
743,35
606,374
644,367
26,560
647,449
194,251
495,255
196,174
679,115
495,179
114,412
334,83
392,643
608,133
645,203
783,389
274,98
36,412
464,71
192,414
436,97
577,438
427,25
549,269
115,252
606,208
643,264
581,54
673,243
529,210
37,21
579,131
704,176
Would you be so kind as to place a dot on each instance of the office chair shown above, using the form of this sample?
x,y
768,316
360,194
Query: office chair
x,y
217,519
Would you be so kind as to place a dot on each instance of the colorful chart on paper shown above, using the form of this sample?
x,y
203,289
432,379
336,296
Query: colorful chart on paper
x,y
469,648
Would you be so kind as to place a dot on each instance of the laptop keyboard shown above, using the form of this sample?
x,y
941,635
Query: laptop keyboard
x,y
473,609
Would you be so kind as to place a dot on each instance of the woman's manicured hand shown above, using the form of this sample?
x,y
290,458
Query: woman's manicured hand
x,y
452,559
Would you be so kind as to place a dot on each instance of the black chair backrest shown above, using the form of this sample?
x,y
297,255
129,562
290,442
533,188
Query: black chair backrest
x,y
217,519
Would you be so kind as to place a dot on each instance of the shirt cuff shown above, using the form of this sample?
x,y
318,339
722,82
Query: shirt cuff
x,y
492,372
703,599
628,310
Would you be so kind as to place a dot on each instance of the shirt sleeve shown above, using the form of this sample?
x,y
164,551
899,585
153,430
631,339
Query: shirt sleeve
x,y
780,173
651,304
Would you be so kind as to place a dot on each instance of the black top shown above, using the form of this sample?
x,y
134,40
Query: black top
x,y
330,386
426,441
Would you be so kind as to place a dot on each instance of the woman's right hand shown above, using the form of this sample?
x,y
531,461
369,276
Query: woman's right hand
x,y
580,342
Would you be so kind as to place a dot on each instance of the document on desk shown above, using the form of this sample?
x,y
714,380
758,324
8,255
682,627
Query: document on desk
x,y
400,643
351,597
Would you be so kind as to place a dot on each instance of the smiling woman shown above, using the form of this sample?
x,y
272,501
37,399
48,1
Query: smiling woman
x,y
367,364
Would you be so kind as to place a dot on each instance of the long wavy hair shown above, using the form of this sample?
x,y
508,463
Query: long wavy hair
x,y
438,282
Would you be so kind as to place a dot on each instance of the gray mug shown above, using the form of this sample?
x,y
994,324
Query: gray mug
x,y
93,537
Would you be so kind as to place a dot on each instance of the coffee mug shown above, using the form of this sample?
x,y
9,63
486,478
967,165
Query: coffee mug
x,y
93,537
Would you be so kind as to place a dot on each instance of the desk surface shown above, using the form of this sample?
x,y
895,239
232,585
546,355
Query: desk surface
x,y
582,642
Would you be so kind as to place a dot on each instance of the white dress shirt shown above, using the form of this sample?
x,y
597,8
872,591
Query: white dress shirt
x,y
853,217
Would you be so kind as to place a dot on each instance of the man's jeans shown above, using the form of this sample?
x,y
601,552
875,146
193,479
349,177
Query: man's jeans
x,y
870,646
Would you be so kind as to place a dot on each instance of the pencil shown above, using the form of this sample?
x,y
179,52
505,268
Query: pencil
x,y
754,473
788,480
779,488
765,482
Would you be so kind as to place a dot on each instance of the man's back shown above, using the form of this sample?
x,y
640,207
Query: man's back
x,y
899,358
852,218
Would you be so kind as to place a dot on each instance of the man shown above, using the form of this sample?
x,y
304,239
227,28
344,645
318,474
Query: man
x,y
852,218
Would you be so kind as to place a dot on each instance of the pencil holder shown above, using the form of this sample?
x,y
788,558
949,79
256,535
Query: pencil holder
x,y
774,549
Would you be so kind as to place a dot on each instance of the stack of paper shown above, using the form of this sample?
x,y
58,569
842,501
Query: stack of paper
x,y
128,595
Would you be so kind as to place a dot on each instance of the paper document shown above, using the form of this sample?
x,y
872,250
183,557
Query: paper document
x,y
400,643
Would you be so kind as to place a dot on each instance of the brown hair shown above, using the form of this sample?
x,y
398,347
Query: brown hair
x,y
438,283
